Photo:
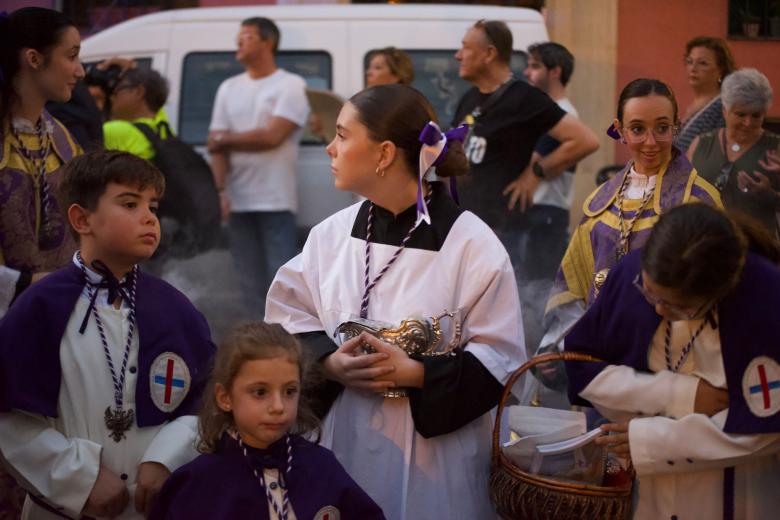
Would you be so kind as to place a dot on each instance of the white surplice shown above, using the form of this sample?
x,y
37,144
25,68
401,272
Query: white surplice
x,y
410,477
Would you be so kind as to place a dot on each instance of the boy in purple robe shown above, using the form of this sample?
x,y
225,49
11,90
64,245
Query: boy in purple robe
x,y
102,366
688,330
253,415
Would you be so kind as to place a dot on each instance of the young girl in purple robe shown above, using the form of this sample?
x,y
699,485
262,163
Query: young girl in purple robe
x,y
255,463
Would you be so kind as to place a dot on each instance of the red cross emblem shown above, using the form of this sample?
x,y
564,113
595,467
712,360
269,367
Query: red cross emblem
x,y
761,386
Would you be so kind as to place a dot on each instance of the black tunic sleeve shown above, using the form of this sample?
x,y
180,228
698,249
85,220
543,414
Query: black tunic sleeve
x,y
319,345
456,390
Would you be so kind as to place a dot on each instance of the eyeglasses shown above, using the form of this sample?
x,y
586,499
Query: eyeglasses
x,y
638,134
699,64
675,311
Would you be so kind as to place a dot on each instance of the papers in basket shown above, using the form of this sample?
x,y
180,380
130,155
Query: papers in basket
x,y
554,443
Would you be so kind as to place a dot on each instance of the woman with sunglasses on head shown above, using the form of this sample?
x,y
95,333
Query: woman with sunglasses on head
x,y
688,329
742,160
620,213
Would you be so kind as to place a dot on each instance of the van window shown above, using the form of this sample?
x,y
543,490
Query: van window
x,y
142,63
203,72
436,76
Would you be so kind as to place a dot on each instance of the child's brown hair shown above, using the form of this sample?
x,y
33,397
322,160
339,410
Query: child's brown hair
x,y
85,178
251,341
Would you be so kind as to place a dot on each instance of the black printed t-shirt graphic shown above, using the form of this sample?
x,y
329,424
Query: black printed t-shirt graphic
x,y
499,147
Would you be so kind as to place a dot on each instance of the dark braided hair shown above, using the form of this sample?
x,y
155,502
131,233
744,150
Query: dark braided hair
x,y
700,250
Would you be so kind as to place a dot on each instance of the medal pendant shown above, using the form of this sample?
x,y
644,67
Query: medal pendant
x,y
622,248
118,421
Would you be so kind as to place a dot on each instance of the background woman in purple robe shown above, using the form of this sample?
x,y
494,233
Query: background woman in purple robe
x,y
39,62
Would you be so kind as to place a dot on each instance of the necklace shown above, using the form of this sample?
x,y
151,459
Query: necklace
x,y
685,351
366,279
736,147
281,512
625,229
489,99
118,420
46,238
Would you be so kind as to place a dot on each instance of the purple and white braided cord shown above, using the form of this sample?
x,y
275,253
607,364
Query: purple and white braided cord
x,y
40,164
366,279
685,351
119,382
282,512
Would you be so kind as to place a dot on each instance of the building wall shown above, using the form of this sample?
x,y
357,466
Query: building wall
x,y
651,40
572,23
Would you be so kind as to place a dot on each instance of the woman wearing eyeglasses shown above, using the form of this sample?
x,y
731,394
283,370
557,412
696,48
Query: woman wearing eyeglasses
x,y
742,160
707,62
621,212
688,327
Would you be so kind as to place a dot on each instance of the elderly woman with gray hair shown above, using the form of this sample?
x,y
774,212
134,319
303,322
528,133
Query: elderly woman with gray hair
x,y
742,160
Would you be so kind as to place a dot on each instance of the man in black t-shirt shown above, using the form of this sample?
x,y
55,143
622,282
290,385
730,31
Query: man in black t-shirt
x,y
508,117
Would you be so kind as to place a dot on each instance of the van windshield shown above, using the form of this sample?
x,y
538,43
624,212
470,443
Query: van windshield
x,y
203,72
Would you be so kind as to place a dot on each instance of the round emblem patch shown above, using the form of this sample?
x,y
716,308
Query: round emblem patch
x,y
328,513
169,379
761,386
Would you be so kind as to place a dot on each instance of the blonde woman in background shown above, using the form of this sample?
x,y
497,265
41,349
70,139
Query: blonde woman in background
x,y
389,65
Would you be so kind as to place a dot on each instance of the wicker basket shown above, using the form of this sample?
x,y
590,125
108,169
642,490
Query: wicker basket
x,y
518,494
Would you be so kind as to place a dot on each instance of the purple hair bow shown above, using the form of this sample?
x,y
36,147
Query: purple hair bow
x,y
613,133
434,149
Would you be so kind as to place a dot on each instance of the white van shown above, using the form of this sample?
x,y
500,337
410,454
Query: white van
x,y
327,45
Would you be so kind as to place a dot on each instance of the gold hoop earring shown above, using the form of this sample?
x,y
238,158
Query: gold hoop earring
x,y
380,171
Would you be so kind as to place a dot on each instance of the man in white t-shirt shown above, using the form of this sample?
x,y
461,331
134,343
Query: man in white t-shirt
x,y
253,141
546,235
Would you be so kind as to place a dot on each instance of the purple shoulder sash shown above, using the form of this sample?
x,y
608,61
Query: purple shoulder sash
x,y
672,189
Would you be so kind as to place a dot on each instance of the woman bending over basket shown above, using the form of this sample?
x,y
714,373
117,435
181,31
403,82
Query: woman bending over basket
x,y
689,330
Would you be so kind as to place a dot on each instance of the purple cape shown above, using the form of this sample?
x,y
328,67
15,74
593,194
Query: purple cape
x,y
620,325
222,485
32,330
